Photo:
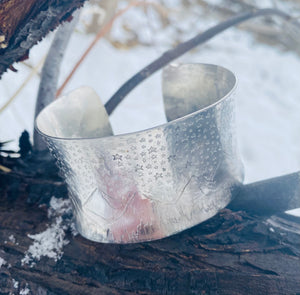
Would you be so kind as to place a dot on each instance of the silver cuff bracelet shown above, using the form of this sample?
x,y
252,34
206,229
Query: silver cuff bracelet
x,y
153,183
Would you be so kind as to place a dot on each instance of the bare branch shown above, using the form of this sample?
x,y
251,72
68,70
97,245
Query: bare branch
x,y
184,47
50,73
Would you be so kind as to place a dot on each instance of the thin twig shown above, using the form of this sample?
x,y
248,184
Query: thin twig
x,y
5,169
102,32
182,48
50,73
33,72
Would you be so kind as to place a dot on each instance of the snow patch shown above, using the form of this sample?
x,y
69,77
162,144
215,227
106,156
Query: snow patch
x,y
12,238
295,212
25,291
50,243
59,207
15,283
2,262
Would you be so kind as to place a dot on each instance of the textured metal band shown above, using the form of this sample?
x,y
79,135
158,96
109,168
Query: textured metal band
x,y
150,184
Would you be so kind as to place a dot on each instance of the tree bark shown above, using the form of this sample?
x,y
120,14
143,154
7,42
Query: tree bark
x,y
232,253
23,23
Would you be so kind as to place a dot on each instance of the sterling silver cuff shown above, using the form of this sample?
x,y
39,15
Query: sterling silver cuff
x,y
154,183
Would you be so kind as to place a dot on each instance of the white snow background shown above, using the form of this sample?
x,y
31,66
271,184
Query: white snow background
x,y
268,104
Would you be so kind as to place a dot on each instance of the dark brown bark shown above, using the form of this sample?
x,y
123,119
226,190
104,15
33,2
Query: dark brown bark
x,y
23,23
232,253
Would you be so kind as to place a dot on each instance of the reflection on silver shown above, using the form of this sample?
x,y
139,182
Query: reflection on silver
x,y
150,184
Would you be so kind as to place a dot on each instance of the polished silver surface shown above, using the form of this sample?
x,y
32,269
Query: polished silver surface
x,y
150,184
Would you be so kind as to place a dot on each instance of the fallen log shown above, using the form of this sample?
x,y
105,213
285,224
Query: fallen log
x,y
235,252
